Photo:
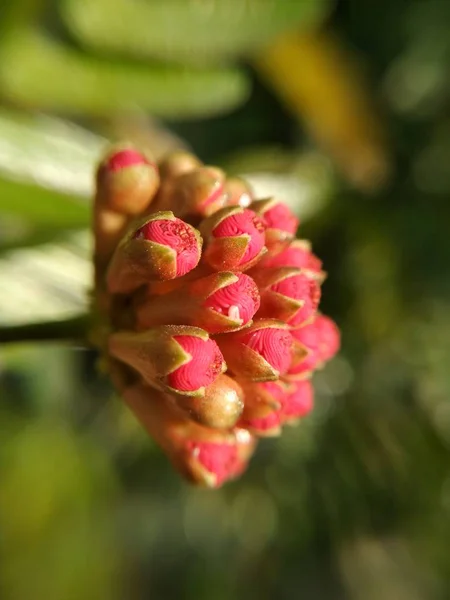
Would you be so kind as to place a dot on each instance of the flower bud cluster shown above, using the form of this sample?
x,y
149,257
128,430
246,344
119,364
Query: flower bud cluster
x,y
211,329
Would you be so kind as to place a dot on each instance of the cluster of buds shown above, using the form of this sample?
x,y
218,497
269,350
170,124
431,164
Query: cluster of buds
x,y
206,309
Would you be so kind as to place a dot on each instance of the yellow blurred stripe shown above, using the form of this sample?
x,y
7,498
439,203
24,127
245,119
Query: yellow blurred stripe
x,y
320,83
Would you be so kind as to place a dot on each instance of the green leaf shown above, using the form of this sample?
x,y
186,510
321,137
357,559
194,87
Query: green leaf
x,y
42,206
36,71
187,30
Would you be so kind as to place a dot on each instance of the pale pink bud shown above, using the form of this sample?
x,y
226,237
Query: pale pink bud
x,y
314,344
163,248
218,303
178,359
235,239
205,456
281,224
219,462
287,294
126,180
260,352
299,402
263,403
261,398
297,254
268,426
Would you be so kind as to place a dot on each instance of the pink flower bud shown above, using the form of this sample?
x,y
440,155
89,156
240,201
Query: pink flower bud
x,y
194,194
268,426
298,254
163,248
219,462
329,336
281,224
238,301
296,401
305,290
262,398
204,456
218,303
177,359
263,403
287,294
176,235
314,344
205,364
127,180
260,352
235,239
299,402
178,163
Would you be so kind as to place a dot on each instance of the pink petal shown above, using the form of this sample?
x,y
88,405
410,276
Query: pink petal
x,y
273,344
239,300
246,222
203,368
175,234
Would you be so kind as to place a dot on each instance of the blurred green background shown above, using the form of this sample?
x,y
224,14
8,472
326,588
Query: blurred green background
x,y
341,107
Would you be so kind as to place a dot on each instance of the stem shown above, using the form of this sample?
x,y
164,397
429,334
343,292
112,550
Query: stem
x,y
70,330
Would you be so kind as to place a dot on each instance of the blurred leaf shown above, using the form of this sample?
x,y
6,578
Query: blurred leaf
x,y
56,542
46,283
51,152
42,206
36,71
200,31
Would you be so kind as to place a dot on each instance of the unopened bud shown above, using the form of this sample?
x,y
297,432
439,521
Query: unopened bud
x,y
194,194
234,239
281,224
287,294
218,303
299,402
314,344
297,254
178,163
260,352
214,463
163,248
127,180
182,360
